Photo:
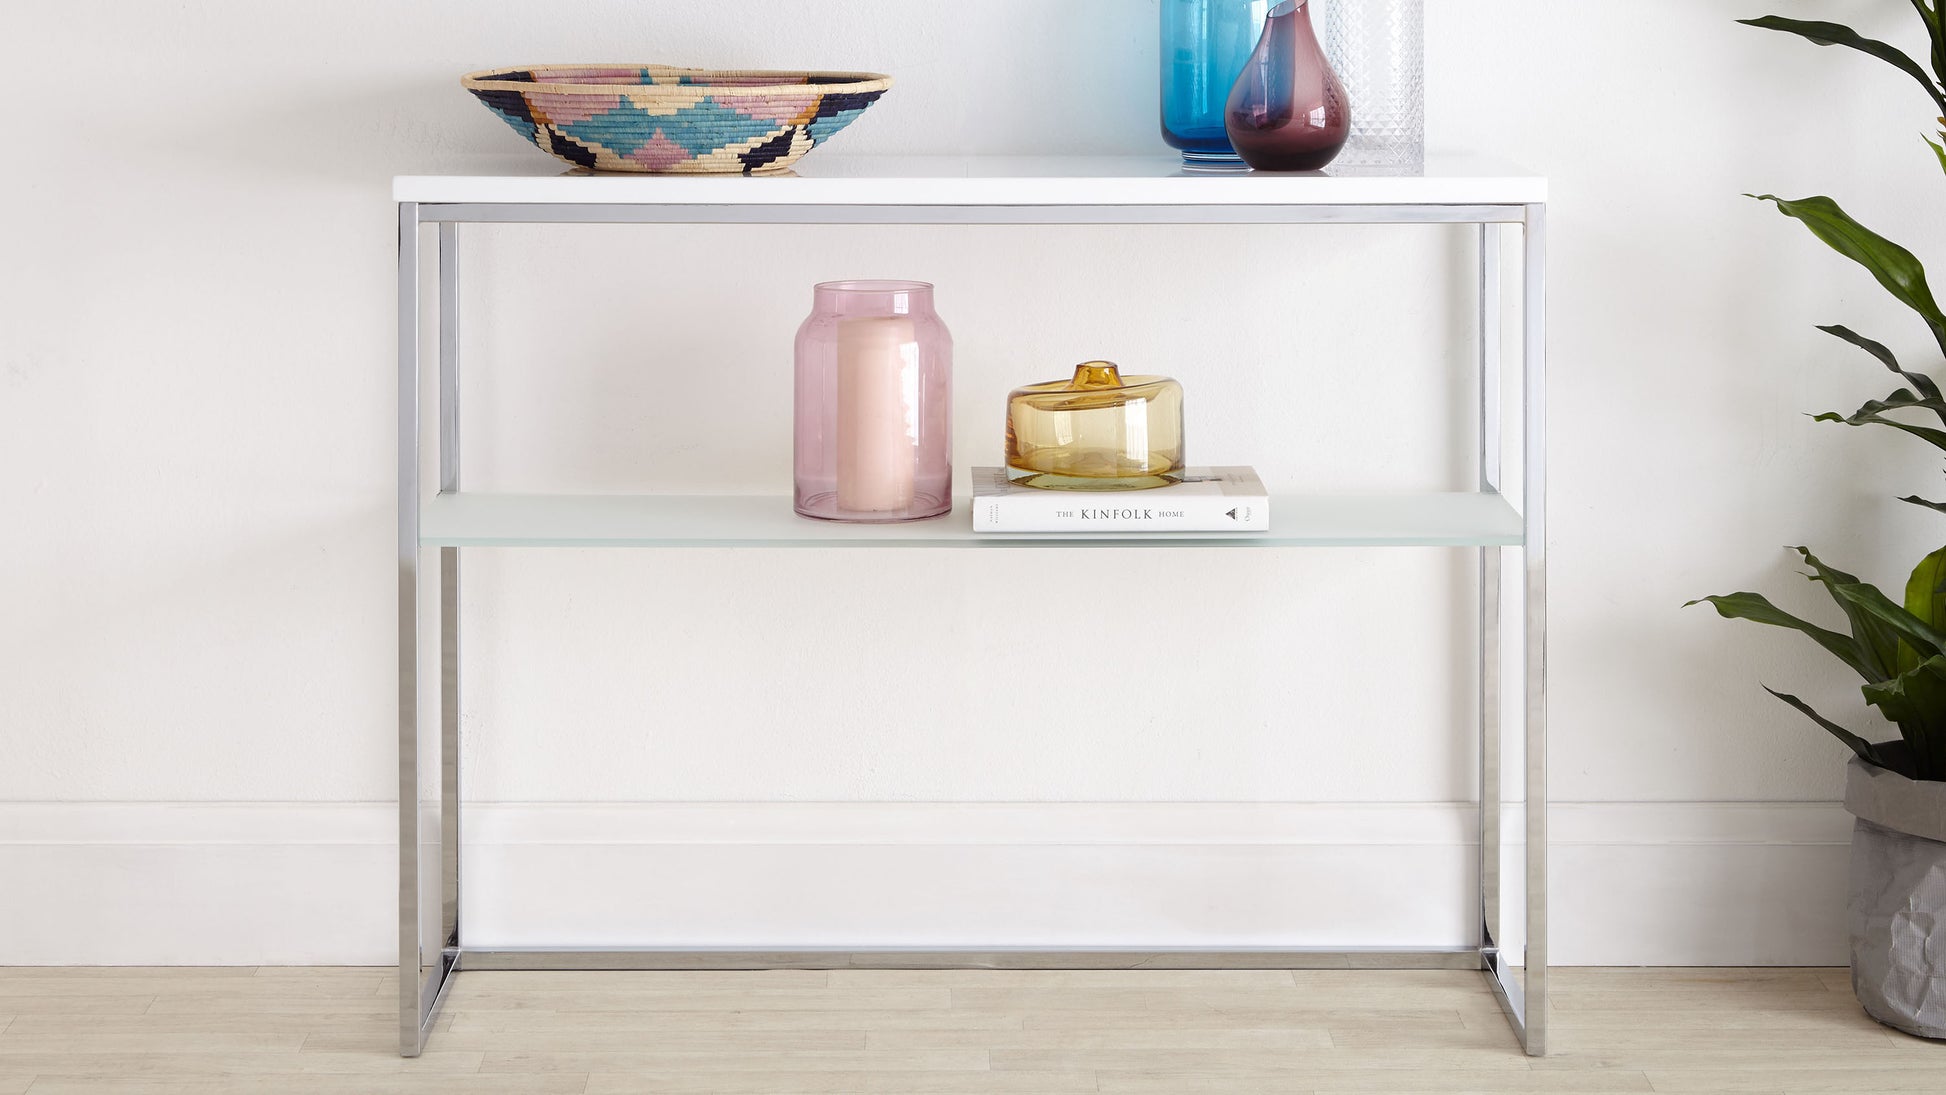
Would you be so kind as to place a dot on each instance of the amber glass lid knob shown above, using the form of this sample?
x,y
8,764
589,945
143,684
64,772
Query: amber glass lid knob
x,y
1096,374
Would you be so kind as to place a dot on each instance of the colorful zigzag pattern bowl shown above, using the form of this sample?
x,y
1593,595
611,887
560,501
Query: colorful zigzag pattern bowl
x,y
654,118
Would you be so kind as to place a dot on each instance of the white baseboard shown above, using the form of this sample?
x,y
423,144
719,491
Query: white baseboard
x,y
297,883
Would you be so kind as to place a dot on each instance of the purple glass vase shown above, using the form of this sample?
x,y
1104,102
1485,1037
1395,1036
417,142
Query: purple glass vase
x,y
874,404
1288,112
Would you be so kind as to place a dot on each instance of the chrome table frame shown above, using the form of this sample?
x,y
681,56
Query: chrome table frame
x,y
429,962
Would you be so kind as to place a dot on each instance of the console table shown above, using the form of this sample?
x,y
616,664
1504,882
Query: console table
x,y
968,190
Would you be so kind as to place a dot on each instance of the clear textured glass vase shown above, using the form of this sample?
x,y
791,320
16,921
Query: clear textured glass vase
x,y
874,404
1204,46
1378,48
1288,112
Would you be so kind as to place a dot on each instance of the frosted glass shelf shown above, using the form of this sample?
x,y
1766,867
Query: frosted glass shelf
x,y
572,520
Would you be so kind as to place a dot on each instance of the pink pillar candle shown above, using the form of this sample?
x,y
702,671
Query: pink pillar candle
x,y
877,436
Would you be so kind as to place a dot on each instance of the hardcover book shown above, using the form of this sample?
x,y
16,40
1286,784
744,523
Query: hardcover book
x,y
1207,500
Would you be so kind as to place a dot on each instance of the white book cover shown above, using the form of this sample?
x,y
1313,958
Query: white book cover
x,y
1207,500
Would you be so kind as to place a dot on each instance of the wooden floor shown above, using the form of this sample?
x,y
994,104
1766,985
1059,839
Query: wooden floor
x,y
299,1030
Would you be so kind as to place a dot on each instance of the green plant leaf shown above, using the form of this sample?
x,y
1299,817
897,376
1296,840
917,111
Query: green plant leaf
x,y
1937,150
1866,751
1929,14
1916,700
1872,413
1875,638
1929,640
1878,350
1901,399
1896,268
1837,34
1925,591
1925,599
1757,608
1918,501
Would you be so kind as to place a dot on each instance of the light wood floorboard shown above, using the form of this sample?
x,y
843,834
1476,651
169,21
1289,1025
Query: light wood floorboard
x,y
305,1031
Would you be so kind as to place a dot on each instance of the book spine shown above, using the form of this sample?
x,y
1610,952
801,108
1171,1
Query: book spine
x,y
1079,512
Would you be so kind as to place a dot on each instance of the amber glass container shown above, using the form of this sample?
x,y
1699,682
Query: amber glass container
x,y
1098,431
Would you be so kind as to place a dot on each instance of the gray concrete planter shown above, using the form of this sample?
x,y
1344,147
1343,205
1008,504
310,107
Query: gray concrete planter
x,y
1897,913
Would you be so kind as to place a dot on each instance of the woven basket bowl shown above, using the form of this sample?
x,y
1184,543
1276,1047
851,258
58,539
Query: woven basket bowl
x,y
663,120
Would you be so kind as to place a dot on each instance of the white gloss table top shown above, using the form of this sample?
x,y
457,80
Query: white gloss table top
x,y
825,179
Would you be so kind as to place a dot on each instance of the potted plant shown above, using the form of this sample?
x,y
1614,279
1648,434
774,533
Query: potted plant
x,y
1895,789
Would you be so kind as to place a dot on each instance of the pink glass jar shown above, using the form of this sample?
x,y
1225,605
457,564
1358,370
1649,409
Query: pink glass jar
x,y
874,404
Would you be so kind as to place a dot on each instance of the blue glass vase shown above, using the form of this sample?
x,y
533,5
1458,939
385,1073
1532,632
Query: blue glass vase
x,y
1205,44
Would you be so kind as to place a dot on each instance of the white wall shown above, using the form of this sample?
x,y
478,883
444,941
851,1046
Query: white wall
x,y
196,711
